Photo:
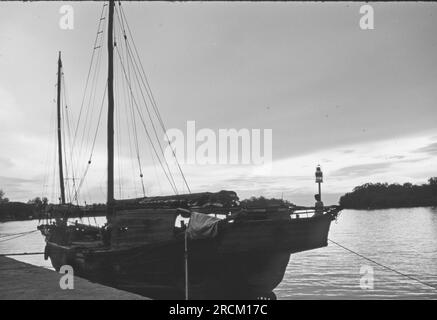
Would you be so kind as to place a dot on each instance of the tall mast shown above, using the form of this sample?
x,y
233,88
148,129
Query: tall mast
x,y
110,134
61,172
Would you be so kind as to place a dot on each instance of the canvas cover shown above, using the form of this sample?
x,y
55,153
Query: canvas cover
x,y
202,226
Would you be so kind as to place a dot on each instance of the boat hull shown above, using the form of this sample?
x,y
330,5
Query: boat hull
x,y
246,260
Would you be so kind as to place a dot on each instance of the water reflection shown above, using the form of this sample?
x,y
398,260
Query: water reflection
x,y
404,239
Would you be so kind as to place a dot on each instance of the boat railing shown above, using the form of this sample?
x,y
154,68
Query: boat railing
x,y
296,212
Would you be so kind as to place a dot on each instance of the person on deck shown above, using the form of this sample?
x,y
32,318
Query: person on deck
x,y
319,205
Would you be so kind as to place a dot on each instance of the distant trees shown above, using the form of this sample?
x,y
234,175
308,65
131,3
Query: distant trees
x,y
39,208
38,203
2,197
14,210
384,195
433,181
264,202
11,210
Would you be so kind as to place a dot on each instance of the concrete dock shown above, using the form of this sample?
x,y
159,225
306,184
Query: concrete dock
x,y
22,281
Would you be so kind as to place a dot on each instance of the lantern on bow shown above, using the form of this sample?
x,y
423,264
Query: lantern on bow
x,y
319,175
319,180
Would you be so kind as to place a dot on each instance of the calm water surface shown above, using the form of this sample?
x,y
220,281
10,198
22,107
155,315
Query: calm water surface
x,y
403,239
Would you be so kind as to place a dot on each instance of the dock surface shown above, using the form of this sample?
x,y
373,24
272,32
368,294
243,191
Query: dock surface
x,y
22,281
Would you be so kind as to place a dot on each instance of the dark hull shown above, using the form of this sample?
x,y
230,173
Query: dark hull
x,y
248,259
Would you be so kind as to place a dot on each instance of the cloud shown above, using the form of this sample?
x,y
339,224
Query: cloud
x,y
362,169
6,163
430,149
397,157
414,160
11,180
16,187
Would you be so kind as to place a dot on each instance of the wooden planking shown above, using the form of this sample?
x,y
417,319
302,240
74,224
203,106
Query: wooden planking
x,y
274,235
141,226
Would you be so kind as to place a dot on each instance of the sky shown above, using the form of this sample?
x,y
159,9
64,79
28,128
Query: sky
x,y
361,103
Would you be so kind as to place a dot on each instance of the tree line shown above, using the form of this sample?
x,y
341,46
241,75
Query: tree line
x,y
11,210
384,195
39,208
265,202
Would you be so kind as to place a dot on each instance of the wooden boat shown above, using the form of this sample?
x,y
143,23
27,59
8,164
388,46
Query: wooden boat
x,y
146,247
247,257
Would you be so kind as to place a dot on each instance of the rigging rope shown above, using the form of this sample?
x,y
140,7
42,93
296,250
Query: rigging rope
x,y
55,167
89,70
384,266
91,102
133,119
64,149
20,254
52,132
87,103
146,85
83,133
93,145
154,129
169,175
127,112
67,119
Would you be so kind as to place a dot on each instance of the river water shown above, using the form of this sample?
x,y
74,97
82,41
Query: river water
x,y
401,239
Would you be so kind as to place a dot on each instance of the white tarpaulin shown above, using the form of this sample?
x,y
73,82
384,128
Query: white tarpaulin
x,y
202,226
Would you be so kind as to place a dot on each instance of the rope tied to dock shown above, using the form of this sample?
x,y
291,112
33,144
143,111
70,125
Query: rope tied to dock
x,y
2,235
20,254
12,236
384,266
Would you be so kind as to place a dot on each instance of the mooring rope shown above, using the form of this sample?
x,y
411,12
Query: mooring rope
x,y
384,266
4,235
17,235
20,254
14,236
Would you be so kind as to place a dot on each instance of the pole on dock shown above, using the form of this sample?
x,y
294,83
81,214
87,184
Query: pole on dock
x,y
186,263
